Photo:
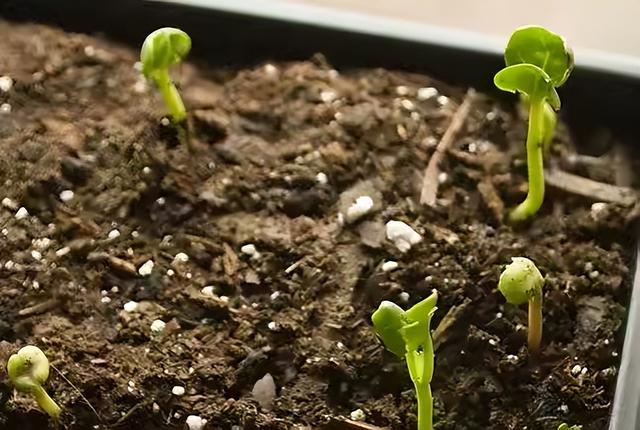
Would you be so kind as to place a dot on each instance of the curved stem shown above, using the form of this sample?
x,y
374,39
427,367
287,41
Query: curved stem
x,y
46,403
535,141
171,97
534,337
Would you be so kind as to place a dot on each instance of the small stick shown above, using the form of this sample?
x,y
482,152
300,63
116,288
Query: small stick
x,y
39,308
594,190
341,423
78,391
430,181
491,198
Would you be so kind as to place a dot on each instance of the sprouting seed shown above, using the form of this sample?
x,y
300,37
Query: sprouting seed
x,y
28,371
407,335
162,49
520,283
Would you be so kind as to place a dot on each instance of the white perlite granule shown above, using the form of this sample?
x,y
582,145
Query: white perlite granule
x,y
146,268
360,208
402,236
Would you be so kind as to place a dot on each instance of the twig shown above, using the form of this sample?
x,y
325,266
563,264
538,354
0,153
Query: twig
x,y
39,308
130,412
341,423
594,190
295,265
491,198
78,391
430,181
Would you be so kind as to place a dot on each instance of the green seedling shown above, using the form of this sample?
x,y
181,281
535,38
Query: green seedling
x,y
520,283
564,426
162,49
407,335
28,371
537,62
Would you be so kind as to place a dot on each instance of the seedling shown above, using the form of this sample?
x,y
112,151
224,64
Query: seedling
x,y
28,371
564,426
162,49
538,61
407,335
520,283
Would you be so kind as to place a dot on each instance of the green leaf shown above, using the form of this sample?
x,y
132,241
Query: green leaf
x,y
538,46
387,320
164,48
423,310
402,331
420,314
530,80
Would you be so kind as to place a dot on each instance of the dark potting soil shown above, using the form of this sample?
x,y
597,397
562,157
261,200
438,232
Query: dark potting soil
x,y
283,149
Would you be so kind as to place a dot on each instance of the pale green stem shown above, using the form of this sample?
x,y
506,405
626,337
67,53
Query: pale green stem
x,y
170,95
46,403
425,407
420,369
535,140
550,122
535,323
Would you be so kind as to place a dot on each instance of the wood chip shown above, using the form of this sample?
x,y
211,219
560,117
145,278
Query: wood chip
x,y
467,158
341,423
209,244
120,266
443,332
442,234
66,217
623,160
40,308
230,260
594,190
491,198
429,191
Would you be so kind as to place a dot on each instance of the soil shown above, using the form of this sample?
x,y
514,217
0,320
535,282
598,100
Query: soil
x,y
82,119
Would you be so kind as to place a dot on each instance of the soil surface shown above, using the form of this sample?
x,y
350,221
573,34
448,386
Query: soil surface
x,y
119,211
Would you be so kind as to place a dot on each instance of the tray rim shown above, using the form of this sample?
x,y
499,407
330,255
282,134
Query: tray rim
x,y
599,61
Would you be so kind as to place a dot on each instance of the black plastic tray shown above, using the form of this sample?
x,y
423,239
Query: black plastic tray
x,y
600,93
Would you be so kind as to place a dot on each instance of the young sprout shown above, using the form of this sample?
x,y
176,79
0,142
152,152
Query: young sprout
x,y
520,283
538,61
564,426
29,370
162,49
407,335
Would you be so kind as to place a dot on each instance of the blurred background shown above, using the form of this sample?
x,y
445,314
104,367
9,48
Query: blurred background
x,y
588,24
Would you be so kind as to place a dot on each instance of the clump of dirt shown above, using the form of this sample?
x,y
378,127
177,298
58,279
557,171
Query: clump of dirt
x,y
243,251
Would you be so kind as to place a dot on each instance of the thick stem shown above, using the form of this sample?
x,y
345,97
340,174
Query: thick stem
x,y
425,406
46,403
420,370
535,140
534,337
171,97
